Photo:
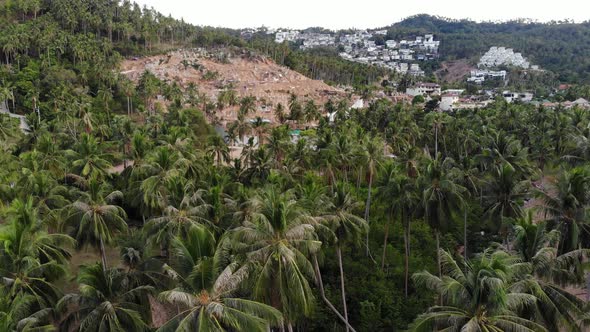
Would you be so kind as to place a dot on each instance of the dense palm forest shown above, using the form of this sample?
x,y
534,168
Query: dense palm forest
x,y
117,215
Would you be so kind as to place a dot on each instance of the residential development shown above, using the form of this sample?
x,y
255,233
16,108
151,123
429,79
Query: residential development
x,y
495,58
361,46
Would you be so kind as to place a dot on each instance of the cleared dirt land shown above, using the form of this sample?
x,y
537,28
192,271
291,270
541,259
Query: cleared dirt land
x,y
248,75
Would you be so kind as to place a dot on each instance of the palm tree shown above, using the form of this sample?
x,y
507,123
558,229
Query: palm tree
x,y
259,127
218,149
94,219
279,236
160,167
437,120
280,113
346,226
372,153
16,315
31,260
311,111
565,202
177,219
105,302
278,144
502,148
8,129
441,197
128,89
88,159
247,105
205,295
557,308
478,295
6,94
47,194
470,180
504,194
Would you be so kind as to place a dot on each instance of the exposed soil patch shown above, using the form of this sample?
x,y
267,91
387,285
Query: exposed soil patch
x,y
248,75
454,71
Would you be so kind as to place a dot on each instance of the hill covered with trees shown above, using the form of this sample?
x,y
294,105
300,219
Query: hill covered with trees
x,y
560,47
118,215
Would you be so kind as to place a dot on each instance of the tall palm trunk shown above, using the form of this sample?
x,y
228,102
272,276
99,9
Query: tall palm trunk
x,y
323,294
128,106
437,235
385,243
368,207
342,289
465,233
406,261
358,181
440,299
435,141
103,255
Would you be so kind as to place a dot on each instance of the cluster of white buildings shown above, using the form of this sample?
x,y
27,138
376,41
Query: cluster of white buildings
x,y
361,47
510,96
424,89
453,99
308,39
498,57
290,35
502,56
480,75
311,40
394,55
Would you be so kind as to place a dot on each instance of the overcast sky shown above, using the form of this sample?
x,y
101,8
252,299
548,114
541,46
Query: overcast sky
x,y
340,14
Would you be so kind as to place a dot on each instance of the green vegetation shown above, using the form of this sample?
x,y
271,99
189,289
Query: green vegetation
x,y
390,217
560,47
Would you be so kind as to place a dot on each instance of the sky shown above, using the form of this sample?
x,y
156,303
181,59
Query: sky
x,y
342,14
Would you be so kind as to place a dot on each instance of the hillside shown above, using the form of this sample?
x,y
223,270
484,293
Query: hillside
x,y
246,74
123,209
559,47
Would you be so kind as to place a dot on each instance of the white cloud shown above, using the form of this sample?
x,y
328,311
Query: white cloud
x,y
338,14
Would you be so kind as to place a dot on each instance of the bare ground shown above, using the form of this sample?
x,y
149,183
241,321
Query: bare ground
x,y
454,71
249,75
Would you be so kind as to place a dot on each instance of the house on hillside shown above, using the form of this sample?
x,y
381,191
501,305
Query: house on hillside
x,y
448,100
424,89
524,97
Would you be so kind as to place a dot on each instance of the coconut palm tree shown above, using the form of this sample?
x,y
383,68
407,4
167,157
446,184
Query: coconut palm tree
x,y
160,167
16,314
442,196
217,149
557,308
347,228
247,105
105,302
128,89
206,293
372,154
176,219
565,202
503,197
279,237
31,260
88,159
259,126
94,219
477,294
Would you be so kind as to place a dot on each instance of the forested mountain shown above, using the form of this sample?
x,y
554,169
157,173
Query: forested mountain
x,y
560,47
117,214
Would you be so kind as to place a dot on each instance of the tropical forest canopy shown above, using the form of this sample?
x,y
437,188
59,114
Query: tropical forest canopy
x,y
120,214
